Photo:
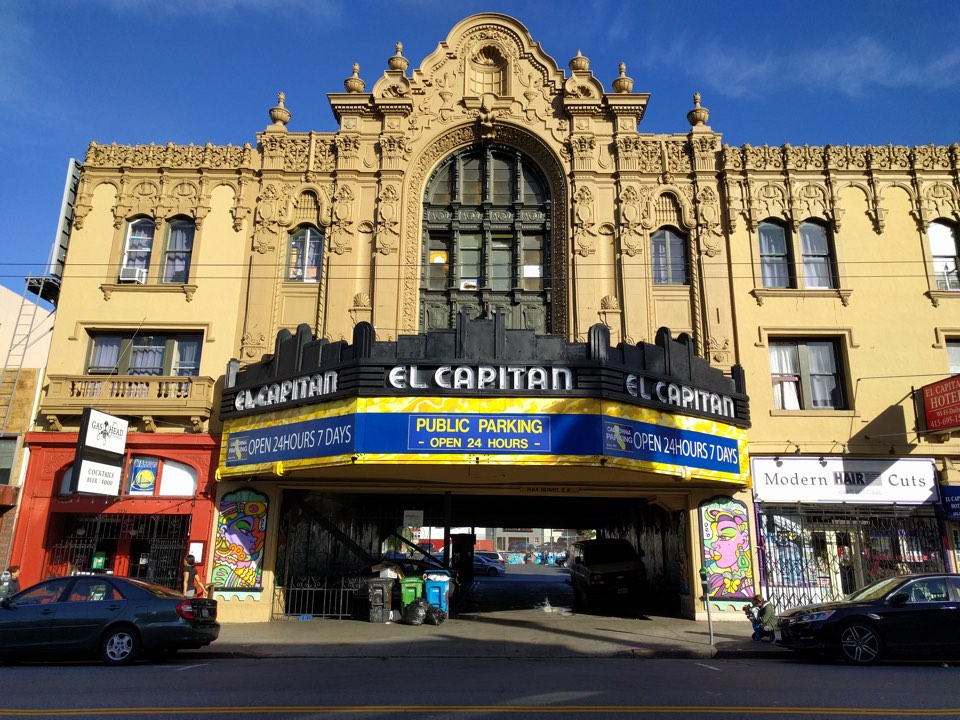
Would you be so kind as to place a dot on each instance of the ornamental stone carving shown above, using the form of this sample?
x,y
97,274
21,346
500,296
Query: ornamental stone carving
x,y
341,221
388,221
584,234
631,227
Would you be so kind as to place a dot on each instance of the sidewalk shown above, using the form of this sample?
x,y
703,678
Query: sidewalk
x,y
505,634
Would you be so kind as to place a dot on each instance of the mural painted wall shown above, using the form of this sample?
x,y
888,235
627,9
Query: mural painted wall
x,y
241,531
725,548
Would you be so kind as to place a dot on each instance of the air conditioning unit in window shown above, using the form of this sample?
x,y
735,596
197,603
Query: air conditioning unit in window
x,y
133,275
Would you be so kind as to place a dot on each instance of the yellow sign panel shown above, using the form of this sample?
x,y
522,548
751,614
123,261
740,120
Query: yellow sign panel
x,y
501,431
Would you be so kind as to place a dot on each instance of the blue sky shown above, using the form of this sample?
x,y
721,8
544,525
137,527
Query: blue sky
x,y
197,71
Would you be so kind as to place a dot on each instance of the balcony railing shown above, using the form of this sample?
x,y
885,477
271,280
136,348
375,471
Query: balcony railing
x,y
129,395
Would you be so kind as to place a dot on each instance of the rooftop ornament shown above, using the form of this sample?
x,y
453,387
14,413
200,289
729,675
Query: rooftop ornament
x,y
398,61
280,115
699,115
623,84
354,84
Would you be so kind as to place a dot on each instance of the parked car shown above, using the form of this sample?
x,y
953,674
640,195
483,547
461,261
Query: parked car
x,y
606,569
485,566
117,619
907,615
492,556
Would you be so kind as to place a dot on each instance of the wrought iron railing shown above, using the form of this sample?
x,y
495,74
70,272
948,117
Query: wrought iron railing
x,y
327,597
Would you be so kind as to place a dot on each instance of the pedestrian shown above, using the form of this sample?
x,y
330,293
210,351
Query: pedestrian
x,y
752,615
10,581
766,619
192,586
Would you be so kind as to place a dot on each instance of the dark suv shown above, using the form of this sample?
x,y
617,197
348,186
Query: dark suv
x,y
606,569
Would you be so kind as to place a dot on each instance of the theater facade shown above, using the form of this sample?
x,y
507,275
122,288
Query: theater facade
x,y
486,298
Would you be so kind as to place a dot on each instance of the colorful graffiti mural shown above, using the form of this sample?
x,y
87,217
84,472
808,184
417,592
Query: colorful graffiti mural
x,y
725,549
241,530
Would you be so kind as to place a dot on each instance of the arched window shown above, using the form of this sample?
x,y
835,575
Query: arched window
x,y
668,256
943,249
776,266
177,254
304,253
137,250
486,240
817,255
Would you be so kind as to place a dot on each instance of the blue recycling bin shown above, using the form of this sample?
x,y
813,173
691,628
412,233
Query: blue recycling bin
x,y
436,588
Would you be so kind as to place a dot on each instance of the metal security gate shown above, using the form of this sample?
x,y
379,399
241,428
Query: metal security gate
x,y
819,553
153,546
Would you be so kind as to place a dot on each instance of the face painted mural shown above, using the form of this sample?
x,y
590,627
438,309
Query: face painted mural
x,y
726,548
241,530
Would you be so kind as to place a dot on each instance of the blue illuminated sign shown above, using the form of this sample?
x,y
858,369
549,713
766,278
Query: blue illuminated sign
x,y
669,445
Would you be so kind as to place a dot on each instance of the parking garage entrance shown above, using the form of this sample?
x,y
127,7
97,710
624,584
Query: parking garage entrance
x,y
478,427
328,542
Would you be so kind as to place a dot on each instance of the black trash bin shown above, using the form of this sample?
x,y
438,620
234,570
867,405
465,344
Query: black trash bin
x,y
380,592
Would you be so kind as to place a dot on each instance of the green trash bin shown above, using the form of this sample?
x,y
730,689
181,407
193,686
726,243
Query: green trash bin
x,y
410,589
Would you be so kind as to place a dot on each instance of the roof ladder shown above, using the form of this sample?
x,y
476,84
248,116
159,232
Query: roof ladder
x,y
20,340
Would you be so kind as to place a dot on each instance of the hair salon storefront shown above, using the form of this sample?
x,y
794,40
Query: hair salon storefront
x,y
446,411
827,526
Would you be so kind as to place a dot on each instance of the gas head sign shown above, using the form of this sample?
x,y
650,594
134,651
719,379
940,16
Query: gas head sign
x,y
105,433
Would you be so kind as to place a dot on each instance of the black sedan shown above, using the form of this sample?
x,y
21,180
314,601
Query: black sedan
x,y
117,619
916,616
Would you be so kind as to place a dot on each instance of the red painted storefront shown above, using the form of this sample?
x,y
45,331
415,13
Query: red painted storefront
x,y
139,533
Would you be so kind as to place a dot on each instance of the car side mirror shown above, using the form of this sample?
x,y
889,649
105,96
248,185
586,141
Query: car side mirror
x,y
5,603
898,599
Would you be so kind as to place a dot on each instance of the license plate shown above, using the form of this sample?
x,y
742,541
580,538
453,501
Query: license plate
x,y
204,613
623,591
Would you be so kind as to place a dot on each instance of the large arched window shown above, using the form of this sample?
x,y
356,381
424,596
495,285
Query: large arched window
x,y
304,253
486,235
668,254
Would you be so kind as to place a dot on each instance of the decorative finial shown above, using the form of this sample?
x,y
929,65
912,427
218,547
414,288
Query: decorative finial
x,y
623,84
398,61
699,115
354,84
280,115
579,63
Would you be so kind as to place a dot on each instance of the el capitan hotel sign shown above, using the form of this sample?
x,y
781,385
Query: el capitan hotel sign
x,y
938,406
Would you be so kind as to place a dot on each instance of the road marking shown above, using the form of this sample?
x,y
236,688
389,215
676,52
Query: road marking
x,y
526,710
190,667
710,667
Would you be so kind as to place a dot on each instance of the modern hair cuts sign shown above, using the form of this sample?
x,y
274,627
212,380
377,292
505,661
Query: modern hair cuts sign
x,y
911,481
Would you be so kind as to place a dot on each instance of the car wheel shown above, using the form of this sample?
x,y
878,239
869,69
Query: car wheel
x,y
120,646
860,643
492,572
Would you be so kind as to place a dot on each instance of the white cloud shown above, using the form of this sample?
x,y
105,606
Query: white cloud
x,y
215,8
859,67
15,45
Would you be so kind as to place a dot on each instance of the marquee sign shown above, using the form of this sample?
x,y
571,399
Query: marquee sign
x,y
481,358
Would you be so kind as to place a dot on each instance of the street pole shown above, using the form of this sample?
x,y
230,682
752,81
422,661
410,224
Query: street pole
x,y
706,601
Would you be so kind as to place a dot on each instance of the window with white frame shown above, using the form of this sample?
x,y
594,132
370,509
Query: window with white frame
x,y
953,356
668,256
145,354
817,266
775,263
816,257
943,249
139,244
177,254
806,374
304,254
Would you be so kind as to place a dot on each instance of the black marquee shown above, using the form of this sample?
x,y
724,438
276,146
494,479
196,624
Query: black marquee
x,y
481,358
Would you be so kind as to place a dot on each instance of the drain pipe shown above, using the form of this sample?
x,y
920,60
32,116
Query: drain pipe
x,y
706,601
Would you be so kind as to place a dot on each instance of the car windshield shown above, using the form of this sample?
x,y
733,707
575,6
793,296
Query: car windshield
x,y
875,590
615,552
